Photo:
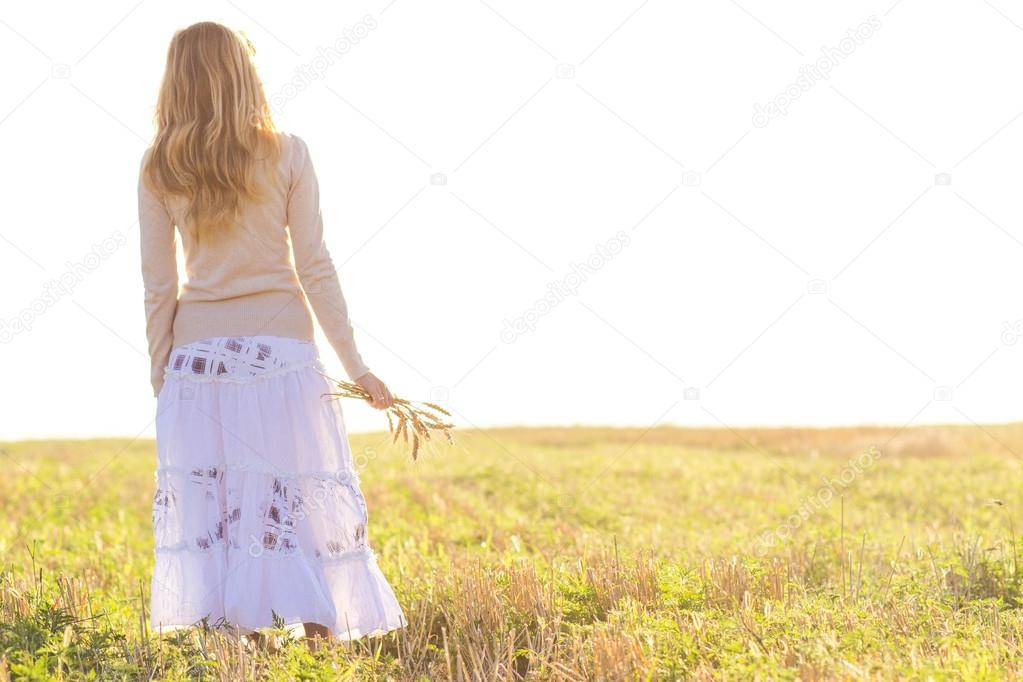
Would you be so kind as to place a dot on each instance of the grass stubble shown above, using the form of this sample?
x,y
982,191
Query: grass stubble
x,y
570,554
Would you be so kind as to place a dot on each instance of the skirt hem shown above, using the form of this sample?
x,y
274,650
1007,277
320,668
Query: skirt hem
x,y
292,627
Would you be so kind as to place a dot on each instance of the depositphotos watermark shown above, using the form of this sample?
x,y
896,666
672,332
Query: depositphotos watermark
x,y
815,72
559,290
54,290
809,506
326,57
1012,332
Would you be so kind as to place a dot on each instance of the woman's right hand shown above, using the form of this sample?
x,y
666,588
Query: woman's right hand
x,y
381,397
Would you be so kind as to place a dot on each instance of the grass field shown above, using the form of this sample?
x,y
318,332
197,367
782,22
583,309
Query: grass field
x,y
576,553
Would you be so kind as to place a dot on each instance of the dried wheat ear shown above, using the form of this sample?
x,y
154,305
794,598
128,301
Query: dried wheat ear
x,y
421,418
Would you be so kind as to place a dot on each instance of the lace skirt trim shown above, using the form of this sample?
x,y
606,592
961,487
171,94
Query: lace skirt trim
x,y
241,359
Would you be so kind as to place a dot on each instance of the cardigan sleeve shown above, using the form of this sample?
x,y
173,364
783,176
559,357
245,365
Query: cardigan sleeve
x,y
159,276
313,263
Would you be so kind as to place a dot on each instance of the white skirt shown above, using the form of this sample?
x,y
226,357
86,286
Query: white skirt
x,y
258,514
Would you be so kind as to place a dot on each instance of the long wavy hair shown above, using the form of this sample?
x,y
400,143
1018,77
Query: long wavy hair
x,y
213,127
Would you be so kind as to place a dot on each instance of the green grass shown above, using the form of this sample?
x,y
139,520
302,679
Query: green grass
x,y
572,554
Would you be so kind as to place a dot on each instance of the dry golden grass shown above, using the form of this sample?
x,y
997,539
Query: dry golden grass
x,y
572,554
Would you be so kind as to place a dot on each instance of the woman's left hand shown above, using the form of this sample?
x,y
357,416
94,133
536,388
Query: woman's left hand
x,y
381,397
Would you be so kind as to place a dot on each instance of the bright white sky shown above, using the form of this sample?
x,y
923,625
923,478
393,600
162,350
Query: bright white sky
x,y
557,126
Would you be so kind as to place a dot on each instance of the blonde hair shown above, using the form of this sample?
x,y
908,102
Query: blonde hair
x,y
212,125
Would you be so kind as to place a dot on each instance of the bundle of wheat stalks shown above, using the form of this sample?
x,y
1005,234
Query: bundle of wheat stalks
x,y
403,416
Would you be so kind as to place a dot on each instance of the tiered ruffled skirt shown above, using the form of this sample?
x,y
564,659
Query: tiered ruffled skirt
x,y
258,515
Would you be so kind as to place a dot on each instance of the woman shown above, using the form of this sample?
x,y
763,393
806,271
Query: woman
x,y
258,514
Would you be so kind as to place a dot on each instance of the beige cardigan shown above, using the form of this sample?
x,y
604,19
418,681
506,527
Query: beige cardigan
x,y
245,283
